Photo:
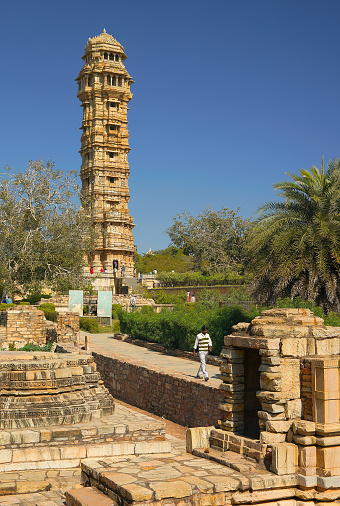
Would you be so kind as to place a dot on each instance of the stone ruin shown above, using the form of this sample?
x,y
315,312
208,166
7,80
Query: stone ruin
x,y
281,384
21,325
55,410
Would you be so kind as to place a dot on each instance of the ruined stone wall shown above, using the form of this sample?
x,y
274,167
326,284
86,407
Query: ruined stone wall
x,y
177,399
68,327
25,323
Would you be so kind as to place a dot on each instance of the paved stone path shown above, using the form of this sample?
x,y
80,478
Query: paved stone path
x,y
165,363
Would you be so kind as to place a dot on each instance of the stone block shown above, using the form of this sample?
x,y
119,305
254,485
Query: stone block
x,y
307,460
304,440
273,408
25,436
307,481
328,482
199,483
73,452
87,496
293,409
278,426
167,489
263,497
223,483
327,347
198,437
152,447
5,438
328,460
284,458
252,342
294,347
232,354
30,487
36,454
134,492
303,427
264,415
5,456
272,437
271,382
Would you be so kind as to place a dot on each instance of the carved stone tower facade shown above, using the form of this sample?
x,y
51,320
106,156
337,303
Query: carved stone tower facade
x,y
104,91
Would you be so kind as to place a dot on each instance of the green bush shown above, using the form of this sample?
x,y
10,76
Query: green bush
x,y
178,328
24,303
88,325
4,306
34,298
199,279
332,320
163,297
33,347
49,311
116,309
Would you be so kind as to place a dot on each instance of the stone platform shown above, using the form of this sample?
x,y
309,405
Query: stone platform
x,y
183,479
45,389
31,458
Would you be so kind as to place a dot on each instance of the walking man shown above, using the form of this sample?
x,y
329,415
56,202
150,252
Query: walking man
x,y
204,344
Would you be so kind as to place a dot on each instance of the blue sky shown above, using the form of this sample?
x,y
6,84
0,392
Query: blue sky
x,y
229,95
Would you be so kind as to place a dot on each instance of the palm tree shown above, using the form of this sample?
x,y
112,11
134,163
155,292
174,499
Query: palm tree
x,y
295,242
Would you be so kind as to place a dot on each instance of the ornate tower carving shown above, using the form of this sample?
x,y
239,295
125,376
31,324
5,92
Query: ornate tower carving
x,y
104,91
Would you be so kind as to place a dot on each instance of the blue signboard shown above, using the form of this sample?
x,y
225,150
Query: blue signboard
x,y
104,309
75,303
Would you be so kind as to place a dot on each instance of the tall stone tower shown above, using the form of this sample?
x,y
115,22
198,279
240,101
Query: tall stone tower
x,y
104,91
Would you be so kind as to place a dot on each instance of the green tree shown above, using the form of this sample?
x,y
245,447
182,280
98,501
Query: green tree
x,y
295,243
215,239
43,233
164,260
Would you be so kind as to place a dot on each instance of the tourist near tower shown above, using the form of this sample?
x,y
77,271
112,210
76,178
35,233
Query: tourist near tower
x,y
104,92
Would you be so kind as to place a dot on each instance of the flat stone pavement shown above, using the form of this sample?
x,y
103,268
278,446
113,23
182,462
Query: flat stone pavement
x,y
106,343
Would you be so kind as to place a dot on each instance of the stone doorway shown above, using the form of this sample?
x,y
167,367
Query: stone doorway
x,y
252,405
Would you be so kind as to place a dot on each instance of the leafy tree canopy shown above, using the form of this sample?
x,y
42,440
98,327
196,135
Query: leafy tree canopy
x,y
165,260
43,234
295,243
214,239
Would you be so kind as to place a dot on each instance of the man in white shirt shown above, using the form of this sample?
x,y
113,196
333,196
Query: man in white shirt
x,y
204,344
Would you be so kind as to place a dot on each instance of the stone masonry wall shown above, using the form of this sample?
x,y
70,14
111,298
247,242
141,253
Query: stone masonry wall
x,y
68,327
181,401
25,323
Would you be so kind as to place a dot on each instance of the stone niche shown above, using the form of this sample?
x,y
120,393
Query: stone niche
x,y
281,384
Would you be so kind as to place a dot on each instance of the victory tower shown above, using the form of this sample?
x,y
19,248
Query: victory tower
x,y
104,91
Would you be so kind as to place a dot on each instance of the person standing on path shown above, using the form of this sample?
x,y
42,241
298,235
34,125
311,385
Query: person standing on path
x,y
204,344
133,303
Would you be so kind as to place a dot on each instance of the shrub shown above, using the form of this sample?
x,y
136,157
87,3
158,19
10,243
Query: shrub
x,y
88,325
163,297
33,347
34,298
24,303
49,311
4,306
333,320
199,279
116,309
178,328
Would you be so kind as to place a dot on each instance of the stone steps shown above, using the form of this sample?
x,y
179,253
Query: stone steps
x,y
35,481
88,496
123,433
179,479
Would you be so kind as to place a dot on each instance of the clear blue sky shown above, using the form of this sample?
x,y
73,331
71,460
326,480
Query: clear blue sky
x,y
229,95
